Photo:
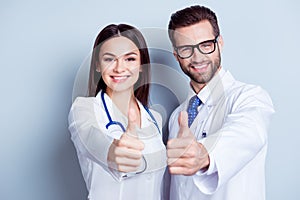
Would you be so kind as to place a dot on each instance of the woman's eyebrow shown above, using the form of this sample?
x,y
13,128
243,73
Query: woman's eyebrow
x,y
127,54
108,54
130,53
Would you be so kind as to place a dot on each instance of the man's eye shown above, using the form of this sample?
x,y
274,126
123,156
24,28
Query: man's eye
x,y
207,45
185,49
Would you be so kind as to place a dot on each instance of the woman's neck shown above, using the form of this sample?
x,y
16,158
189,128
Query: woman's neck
x,y
124,100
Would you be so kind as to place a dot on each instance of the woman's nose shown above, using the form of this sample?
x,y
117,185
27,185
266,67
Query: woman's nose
x,y
119,65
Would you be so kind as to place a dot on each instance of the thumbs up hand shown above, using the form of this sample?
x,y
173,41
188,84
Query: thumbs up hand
x,y
185,155
125,154
184,130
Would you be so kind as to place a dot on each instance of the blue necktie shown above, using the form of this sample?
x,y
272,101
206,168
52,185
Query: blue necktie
x,y
192,109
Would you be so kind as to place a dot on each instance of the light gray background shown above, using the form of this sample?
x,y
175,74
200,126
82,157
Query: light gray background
x,y
43,43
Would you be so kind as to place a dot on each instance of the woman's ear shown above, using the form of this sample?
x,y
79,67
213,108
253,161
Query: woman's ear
x,y
98,68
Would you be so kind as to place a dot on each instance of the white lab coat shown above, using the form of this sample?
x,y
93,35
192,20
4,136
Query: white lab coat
x,y
87,121
234,116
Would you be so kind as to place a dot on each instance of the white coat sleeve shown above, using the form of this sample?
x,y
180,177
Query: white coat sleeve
x,y
240,139
87,133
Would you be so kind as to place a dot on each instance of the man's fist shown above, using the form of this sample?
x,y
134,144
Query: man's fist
x,y
185,155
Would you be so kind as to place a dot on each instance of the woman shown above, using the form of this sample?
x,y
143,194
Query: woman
x,y
117,138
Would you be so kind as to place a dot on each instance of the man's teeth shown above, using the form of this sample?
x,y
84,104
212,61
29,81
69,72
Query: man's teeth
x,y
199,66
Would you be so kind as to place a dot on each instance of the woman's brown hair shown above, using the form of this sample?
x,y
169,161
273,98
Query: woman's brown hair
x,y
141,87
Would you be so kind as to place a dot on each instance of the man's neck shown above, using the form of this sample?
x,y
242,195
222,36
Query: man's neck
x,y
197,87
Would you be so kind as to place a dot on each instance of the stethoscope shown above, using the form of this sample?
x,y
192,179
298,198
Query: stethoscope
x,y
116,123
112,122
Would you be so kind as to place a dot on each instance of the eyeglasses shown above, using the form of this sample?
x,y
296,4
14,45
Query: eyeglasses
x,y
205,47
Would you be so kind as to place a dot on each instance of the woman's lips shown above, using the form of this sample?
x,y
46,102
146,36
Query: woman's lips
x,y
119,79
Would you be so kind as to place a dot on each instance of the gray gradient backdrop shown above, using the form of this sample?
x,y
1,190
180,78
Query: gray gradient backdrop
x,y
43,43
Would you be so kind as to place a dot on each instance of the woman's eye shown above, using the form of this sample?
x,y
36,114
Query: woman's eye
x,y
130,59
108,59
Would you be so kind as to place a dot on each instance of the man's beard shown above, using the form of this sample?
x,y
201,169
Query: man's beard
x,y
204,78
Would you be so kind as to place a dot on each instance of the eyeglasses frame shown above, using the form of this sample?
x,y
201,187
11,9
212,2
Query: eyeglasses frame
x,y
197,46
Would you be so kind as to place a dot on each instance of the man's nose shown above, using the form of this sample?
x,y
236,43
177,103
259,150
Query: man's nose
x,y
197,56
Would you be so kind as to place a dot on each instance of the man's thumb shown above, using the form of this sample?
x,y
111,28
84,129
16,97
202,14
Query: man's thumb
x,y
183,123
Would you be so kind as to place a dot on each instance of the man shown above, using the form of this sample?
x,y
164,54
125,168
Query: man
x,y
217,149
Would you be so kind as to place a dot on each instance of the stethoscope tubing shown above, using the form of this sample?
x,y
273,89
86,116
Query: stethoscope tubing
x,y
112,122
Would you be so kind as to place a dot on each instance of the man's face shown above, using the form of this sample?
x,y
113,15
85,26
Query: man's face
x,y
199,67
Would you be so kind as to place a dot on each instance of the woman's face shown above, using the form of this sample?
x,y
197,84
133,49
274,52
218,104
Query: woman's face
x,y
119,64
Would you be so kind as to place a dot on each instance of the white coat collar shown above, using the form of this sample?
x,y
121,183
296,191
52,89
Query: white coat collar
x,y
214,90
116,114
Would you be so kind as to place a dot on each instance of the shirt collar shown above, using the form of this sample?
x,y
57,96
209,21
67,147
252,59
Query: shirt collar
x,y
214,89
